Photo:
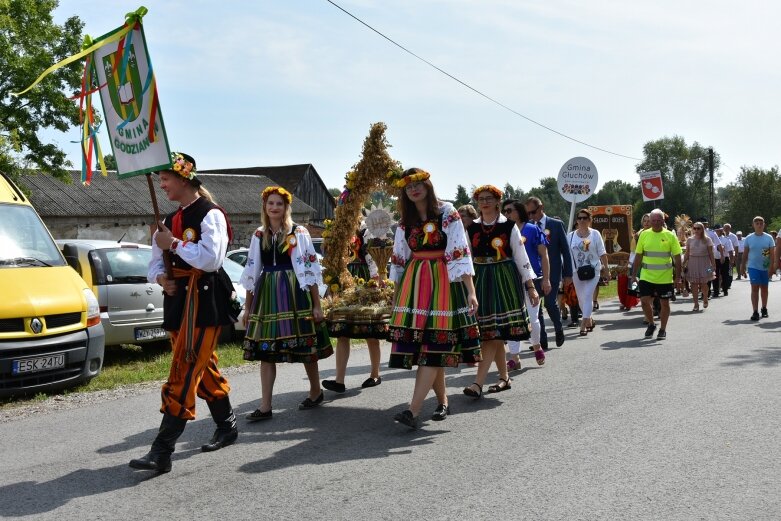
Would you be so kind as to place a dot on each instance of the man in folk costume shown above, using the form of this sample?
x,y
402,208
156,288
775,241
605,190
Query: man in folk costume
x,y
197,303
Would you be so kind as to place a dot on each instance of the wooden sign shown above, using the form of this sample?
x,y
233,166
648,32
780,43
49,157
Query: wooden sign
x,y
614,223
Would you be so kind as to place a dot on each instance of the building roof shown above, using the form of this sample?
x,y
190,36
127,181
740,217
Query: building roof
x,y
287,176
110,196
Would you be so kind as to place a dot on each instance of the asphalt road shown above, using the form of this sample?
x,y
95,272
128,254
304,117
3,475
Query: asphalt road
x,y
612,427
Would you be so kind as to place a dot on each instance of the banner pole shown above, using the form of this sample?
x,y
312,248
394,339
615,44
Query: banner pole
x,y
169,269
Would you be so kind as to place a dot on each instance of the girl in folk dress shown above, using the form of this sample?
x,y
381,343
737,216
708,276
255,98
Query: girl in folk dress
x,y
432,324
284,314
502,268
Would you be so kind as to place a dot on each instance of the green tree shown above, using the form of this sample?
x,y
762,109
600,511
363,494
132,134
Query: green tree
x,y
511,192
685,174
555,205
755,192
462,197
111,161
616,192
30,42
335,192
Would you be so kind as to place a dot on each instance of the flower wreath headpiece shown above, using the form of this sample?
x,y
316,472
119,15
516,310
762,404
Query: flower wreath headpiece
x,y
487,188
287,196
412,178
182,166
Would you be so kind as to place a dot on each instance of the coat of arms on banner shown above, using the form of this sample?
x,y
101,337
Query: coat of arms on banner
x,y
651,185
130,104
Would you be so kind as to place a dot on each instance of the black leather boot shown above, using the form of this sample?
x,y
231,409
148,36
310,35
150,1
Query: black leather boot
x,y
159,456
226,432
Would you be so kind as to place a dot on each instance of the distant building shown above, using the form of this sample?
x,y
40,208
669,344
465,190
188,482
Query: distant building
x,y
302,181
111,208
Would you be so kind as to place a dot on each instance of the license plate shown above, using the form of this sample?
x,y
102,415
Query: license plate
x,y
41,363
151,333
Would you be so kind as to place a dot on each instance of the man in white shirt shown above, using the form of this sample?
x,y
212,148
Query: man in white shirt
x,y
739,254
727,259
717,250
734,240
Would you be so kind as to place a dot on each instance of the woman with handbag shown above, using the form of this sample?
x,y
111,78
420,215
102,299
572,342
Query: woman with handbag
x,y
588,259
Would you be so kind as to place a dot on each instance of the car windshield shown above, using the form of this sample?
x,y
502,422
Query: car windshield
x,y
233,269
125,265
239,256
24,240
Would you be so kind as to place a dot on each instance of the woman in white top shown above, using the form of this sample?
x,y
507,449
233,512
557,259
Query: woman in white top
x,y
587,249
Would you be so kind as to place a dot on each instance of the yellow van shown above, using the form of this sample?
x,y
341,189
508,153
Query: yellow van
x,y
50,331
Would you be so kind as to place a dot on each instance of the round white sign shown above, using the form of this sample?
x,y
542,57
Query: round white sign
x,y
577,179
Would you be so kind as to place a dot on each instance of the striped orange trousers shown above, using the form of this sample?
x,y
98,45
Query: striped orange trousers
x,y
200,377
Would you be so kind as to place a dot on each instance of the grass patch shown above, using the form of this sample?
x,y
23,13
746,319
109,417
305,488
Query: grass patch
x,y
608,292
131,364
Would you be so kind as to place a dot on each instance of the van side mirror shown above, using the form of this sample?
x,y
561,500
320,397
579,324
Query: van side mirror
x,y
71,254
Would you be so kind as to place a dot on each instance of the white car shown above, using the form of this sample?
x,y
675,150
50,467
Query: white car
x,y
239,256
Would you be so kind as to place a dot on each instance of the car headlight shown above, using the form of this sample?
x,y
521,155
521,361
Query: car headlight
x,y
93,308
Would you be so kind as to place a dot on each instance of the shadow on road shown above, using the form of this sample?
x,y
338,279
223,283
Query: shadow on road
x,y
640,342
763,356
29,497
348,434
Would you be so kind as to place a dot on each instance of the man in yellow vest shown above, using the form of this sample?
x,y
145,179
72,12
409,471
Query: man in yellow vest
x,y
657,251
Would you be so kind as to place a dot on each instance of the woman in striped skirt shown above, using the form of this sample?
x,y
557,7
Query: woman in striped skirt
x,y
432,324
283,308
502,268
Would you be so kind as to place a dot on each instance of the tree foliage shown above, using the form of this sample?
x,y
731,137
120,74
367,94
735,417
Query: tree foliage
x,y
30,42
685,174
462,197
755,192
548,192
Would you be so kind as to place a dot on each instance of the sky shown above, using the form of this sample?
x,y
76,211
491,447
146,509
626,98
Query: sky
x,y
276,82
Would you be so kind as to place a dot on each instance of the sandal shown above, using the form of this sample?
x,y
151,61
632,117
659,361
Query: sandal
x,y
696,307
472,393
583,332
595,305
498,387
592,326
540,357
512,365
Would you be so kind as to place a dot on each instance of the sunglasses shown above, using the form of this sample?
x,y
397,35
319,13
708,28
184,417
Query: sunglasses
x,y
583,217
507,210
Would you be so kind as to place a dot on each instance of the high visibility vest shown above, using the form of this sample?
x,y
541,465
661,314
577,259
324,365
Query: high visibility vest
x,y
658,249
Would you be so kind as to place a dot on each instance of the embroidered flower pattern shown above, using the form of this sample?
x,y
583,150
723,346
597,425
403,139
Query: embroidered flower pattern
x,y
457,254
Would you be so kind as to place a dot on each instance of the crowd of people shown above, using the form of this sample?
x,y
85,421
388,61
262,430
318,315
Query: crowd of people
x,y
470,284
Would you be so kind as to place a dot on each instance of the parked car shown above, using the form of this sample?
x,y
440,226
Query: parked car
x,y
50,331
131,308
234,269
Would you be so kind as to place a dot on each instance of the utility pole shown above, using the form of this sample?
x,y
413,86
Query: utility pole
x,y
712,198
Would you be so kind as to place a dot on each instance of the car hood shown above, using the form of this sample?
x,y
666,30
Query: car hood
x,y
40,291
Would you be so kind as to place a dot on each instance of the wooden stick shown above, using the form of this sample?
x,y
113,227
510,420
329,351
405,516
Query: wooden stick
x,y
169,269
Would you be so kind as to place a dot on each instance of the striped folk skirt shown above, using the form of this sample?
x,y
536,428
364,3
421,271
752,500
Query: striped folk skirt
x,y
501,310
429,323
281,327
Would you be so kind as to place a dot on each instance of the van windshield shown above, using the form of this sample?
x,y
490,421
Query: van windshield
x,y
24,240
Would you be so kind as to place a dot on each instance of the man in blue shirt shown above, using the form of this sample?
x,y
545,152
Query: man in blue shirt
x,y
759,252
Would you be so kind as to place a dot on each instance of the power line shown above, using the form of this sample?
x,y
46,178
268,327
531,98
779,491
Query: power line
x,y
476,91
